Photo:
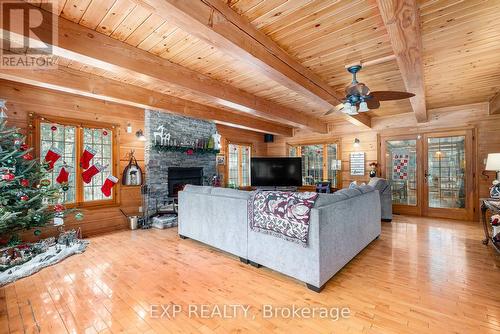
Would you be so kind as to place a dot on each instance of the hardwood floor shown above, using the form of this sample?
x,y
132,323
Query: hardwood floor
x,y
421,276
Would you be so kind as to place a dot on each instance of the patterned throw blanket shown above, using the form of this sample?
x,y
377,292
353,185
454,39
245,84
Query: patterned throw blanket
x,y
282,214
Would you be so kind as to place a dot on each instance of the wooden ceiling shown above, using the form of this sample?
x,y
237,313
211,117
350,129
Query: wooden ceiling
x,y
459,53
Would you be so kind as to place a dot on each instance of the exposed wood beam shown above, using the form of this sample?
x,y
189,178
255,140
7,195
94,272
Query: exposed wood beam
x,y
401,19
214,22
89,47
494,104
86,84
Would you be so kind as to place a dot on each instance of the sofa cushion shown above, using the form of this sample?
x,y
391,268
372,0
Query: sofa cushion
x,y
327,199
366,188
228,192
190,188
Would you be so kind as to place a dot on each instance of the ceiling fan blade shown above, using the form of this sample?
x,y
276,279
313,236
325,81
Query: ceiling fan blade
x,y
338,107
390,95
373,104
359,89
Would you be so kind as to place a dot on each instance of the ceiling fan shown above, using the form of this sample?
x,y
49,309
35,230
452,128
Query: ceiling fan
x,y
359,98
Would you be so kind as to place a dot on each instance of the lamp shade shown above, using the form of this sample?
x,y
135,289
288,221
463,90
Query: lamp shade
x,y
493,162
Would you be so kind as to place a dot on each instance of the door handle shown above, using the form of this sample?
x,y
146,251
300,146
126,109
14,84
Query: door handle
x,y
426,175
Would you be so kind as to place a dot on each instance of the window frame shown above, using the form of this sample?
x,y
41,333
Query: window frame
x,y
338,176
35,131
240,169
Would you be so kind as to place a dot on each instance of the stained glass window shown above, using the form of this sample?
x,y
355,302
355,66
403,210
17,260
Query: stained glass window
x,y
101,142
319,163
62,138
67,138
239,165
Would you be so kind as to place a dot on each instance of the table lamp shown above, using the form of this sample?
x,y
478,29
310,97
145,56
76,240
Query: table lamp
x,y
493,164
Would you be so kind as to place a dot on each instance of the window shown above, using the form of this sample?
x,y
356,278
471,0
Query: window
x,y
70,138
238,165
319,163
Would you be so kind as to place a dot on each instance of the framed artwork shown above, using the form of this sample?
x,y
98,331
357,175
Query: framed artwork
x,y
400,166
221,159
357,163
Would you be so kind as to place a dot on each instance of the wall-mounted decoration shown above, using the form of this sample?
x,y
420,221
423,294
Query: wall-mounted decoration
x,y
132,174
164,141
357,163
221,159
400,165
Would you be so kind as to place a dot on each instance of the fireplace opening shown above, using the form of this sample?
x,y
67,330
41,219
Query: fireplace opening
x,y
178,177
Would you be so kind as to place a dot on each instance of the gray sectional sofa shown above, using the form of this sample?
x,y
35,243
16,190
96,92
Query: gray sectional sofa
x,y
341,225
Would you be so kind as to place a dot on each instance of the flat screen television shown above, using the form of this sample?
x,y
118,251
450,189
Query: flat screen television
x,y
276,172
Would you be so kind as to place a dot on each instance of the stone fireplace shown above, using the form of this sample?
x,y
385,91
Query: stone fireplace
x,y
168,170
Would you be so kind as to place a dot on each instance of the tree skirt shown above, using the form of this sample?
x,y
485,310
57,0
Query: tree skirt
x,y
53,255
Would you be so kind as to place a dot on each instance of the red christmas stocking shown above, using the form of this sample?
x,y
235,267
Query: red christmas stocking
x,y
91,172
53,154
87,155
108,184
63,176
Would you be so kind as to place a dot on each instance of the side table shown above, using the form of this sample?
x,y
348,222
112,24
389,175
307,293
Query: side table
x,y
493,205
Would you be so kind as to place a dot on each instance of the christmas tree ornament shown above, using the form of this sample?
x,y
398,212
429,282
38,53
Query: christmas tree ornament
x,y
65,188
28,156
59,208
104,133
37,217
87,155
53,128
108,185
24,198
91,172
62,178
23,147
8,176
45,182
53,154
79,216
37,232
11,161
25,182
18,142
3,107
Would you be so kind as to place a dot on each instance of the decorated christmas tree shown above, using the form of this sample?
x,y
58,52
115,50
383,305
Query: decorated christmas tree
x,y
27,199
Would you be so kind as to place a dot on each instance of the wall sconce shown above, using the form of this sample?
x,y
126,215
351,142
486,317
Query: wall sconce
x,y
356,142
140,135
129,128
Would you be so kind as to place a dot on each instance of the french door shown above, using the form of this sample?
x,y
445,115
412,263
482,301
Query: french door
x,y
431,174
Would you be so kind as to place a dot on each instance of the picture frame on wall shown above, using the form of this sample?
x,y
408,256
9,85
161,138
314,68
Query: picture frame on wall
x,y
357,163
221,159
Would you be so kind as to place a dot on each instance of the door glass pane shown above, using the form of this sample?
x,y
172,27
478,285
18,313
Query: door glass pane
x,y
446,174
312,164
401,170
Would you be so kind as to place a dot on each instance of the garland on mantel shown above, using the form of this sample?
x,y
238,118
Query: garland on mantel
x,y
185,149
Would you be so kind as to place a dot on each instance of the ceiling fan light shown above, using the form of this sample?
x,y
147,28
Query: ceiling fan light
x,y
353,110
363,107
